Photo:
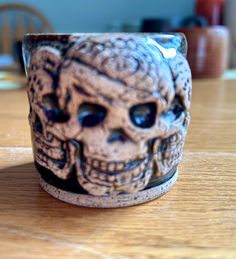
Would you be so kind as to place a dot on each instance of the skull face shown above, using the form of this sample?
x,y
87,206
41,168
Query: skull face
x,y
123,112
50,148
122,101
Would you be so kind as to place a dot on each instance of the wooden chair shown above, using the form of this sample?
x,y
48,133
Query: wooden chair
x,y
15,21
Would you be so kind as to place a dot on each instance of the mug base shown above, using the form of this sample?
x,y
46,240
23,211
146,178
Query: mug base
x,y
113,201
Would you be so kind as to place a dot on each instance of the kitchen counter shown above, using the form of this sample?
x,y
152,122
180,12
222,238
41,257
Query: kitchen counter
x,y
196,219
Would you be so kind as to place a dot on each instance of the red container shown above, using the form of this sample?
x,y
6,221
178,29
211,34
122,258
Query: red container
x,y
212,10
207,50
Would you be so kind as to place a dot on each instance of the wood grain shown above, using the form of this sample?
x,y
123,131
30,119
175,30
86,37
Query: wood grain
x,y
196,219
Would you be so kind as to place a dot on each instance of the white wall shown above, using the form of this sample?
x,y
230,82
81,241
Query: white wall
x,y
97,15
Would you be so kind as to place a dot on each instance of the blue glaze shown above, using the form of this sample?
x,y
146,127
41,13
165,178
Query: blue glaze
x,y
143,115
90,115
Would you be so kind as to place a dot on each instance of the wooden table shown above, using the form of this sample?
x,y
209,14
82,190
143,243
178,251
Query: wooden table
x,y
197,219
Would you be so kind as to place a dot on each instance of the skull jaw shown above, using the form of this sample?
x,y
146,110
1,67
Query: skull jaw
x,y
98,182
101,178
168,153
55,158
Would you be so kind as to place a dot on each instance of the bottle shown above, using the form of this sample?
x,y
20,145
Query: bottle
x,y
230,22
212,10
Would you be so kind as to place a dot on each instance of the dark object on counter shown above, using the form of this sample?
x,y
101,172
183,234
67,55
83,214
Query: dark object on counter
x,y
156,25
212,10
193,21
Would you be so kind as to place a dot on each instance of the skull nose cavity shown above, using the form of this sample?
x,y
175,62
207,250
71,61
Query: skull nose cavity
x,y
38,124
117,135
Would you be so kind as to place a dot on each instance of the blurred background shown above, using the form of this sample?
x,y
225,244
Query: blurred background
x,y
104,15
209,25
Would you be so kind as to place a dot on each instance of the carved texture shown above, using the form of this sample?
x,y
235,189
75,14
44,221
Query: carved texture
x,y
111,108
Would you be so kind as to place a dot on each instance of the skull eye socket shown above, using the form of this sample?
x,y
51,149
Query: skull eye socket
x,y
90,115
52,110
143,115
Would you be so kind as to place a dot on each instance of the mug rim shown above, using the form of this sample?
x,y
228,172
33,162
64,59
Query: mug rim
x,y
56,36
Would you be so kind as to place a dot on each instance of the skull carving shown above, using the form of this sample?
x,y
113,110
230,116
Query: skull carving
x,y
114,109
50,146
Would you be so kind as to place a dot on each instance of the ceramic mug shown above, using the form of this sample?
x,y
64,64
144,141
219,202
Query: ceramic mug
x,y
108,114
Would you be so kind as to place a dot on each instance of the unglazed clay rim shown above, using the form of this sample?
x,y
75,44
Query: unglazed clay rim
x,y
113,201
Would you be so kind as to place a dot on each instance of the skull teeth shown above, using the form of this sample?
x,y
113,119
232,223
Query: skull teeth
x,y
101,176
45,149
104,166
45,158
95,163
172,155
52,157
54,143
119,166
114,166
113,176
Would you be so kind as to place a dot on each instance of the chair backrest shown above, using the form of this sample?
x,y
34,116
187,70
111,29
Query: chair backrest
x,y
15,21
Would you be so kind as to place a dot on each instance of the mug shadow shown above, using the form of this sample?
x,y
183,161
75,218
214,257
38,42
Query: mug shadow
x,y
22,196
27,211
20,189
26,208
